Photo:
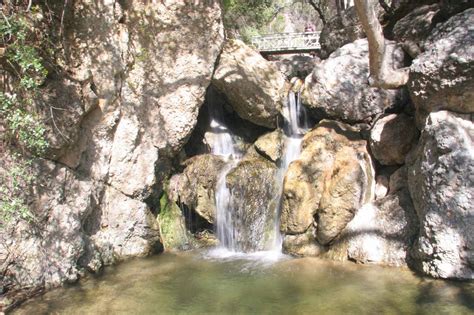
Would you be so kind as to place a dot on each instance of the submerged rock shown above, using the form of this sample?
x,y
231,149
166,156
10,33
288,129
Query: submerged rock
x,y
254,86
253,203
443,76
392,137
338,87
331,179
441,183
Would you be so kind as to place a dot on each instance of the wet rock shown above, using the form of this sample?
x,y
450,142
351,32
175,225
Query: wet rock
x,y
442,76
302,244
195,187
331,179
381,186
442,188
254,203
270,145
392,137
338,87
172,226
254,87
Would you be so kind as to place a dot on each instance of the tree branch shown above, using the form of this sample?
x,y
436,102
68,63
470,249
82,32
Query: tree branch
x,y
381,73
318,9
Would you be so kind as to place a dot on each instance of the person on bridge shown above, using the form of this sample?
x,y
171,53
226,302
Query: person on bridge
x,y
309,28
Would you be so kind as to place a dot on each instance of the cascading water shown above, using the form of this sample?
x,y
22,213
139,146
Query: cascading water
x,y
223,146
294,126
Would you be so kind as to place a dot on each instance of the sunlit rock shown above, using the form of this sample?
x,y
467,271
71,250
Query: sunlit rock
x,y
331,179
338,88
392,137
442,188
442,77
254,86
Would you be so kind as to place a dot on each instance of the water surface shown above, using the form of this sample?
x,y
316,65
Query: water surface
x,y
216,283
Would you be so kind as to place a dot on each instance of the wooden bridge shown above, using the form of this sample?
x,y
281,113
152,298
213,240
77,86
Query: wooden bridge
x,y
287,43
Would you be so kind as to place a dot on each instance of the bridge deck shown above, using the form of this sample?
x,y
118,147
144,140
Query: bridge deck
x,y
287,43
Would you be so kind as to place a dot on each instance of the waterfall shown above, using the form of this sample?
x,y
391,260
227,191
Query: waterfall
x,y
223,145
295,126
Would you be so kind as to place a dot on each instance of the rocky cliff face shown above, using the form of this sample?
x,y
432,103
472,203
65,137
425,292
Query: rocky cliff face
x,y
136,76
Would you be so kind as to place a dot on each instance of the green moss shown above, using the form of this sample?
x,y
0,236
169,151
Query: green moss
x,y
172,227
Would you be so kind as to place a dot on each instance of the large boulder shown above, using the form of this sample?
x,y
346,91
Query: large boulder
x,y
338,87
442,188
331,179
253,203
254,86
133,104
195,187
340,30
414,28
302,244
382,232
392,137
443,76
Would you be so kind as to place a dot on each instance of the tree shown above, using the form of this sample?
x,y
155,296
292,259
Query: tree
x,y
381,73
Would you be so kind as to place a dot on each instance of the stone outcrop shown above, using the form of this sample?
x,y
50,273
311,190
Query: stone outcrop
x,y
414,28
270,145
332,178
392,137
338,87
382,232
342,29
442,76
254,87
254,202
132,95
442,188
296,65
302,244
195,187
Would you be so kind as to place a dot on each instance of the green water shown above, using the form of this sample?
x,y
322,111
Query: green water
x,y
190,283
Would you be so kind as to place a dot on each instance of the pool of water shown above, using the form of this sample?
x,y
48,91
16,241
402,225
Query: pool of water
x,y
220,283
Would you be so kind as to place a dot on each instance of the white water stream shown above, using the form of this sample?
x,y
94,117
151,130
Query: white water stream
x,y
295,126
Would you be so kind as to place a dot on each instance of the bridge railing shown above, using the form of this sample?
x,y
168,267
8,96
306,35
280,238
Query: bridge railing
x,y
287,42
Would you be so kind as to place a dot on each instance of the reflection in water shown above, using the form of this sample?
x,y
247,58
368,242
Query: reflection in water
x,y
189,283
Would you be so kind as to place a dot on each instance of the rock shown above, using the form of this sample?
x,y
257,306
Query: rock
x,y
415,27
172,226
442,76
442,188
254,87
338,87
131,100
296,65
382,232
270,145
381,186
342,29
48,254
331,179
392,137
398,180
195,187
254,202
302,244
